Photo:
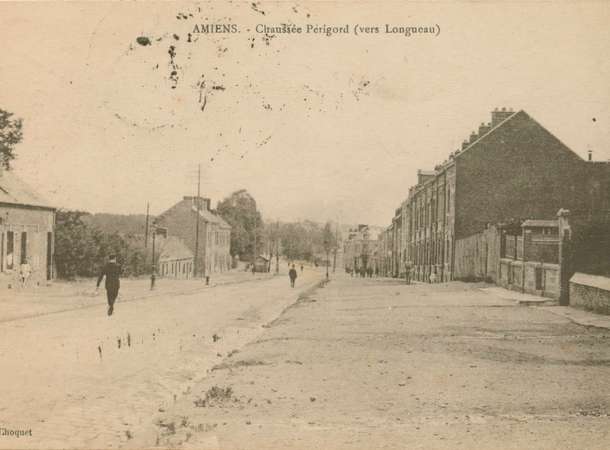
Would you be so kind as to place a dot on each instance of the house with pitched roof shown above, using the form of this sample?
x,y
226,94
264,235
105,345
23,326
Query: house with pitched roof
x,y
27,224
203,232
175,259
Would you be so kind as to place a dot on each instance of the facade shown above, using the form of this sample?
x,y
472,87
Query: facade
x,y
27,225
212,245
511,168
175,259
358,249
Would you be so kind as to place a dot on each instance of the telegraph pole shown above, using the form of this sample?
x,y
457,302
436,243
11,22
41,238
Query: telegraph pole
x,y
146,229
336,247
277,247
196,262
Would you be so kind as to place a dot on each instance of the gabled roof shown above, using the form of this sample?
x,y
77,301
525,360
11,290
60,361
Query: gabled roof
x,y
16,192
211,217
173,248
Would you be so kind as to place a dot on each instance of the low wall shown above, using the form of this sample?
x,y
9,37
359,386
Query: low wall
x,y
531,277
591,292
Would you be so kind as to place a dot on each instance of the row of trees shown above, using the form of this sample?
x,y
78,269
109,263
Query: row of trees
x,y
304,240
81,249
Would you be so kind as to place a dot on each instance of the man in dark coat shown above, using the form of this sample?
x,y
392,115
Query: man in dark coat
x,y
292,273
112,272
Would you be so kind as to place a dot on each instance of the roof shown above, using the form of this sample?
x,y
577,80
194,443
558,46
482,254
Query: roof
x,y
211,217
16,192
173,248
540,223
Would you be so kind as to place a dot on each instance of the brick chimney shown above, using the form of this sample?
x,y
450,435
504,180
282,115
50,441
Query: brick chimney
x,y
483,129
498,116
590,155
473,137
465,144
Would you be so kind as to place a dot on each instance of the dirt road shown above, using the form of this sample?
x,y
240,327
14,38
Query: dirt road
x,y
374,364
81,379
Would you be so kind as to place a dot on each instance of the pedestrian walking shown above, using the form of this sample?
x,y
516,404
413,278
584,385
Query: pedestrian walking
x,y
292,273
301,268
25,271
433,276
112,272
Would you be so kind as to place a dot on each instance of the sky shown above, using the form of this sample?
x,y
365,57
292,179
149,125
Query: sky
x,y
313,126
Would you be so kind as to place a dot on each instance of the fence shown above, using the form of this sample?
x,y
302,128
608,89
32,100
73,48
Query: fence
x,y
477,257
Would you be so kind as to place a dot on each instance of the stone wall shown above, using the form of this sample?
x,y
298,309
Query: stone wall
x,y
590,292
531,277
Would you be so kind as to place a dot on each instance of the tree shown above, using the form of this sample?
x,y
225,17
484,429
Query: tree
x,y
75,249
10,135
239,210
80,249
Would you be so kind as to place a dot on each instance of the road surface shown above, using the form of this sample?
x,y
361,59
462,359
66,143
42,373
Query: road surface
x,y
374,364
79,378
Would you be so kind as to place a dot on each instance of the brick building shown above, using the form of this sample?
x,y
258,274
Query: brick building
x,y
26,231
213,243
510,168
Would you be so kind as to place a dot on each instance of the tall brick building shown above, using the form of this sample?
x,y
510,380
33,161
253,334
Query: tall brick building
x,y
511,168
212,246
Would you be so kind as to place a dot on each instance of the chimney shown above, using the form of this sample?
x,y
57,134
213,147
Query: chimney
x,y
465,144
498,116
590,152
204,203
473,137
483,129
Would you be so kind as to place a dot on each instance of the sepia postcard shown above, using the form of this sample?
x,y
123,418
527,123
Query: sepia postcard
x,y
342,225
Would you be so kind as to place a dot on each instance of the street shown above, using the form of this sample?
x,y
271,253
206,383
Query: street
x,y
78,378
373,363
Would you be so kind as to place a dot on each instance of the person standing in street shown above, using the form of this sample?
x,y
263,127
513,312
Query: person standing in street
x,y
25,271
112,272
292,273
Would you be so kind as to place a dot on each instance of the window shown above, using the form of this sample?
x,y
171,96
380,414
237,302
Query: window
x,y
10,249
24,247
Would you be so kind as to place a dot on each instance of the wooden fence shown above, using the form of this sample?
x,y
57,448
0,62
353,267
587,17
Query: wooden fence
x,y
477,257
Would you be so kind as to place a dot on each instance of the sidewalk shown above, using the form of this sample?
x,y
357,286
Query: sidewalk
x,y
61,296
578,316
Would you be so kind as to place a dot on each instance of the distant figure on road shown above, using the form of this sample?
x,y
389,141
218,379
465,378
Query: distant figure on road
x,y
301,268
292,273
112,272
433,277
408,272
25,271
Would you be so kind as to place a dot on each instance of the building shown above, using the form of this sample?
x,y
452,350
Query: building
x,y
203,232
175,259
358,249
510,168
27,225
